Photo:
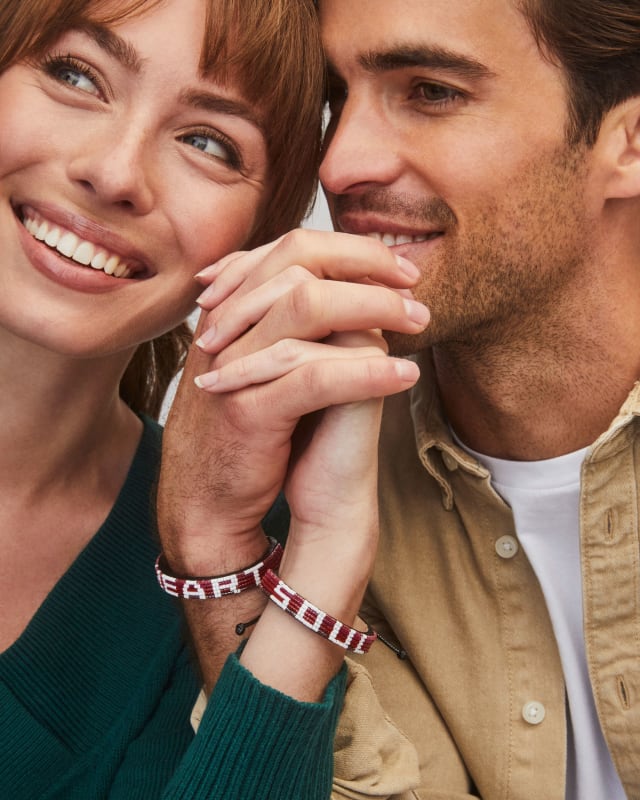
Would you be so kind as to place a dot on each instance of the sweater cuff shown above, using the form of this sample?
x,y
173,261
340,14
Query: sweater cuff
x,y
254,741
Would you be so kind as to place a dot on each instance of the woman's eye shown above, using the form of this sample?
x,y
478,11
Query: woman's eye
x,y
77,79
213,147
69,71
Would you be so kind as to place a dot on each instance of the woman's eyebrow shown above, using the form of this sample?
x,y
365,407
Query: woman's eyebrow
x,y
126,54
115,46
210,101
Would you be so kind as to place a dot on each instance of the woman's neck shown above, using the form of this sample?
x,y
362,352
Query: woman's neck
x,y
60,416
66,444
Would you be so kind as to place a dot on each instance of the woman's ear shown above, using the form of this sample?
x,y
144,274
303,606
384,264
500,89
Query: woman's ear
x,y
619,140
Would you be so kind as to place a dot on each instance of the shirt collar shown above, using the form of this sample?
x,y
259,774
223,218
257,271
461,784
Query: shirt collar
x,y
438,452
441,455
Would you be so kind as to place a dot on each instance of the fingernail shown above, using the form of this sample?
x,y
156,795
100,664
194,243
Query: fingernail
x,y
417,312
207,380
202,278
202,300
210,271
408,267
406,370
207,337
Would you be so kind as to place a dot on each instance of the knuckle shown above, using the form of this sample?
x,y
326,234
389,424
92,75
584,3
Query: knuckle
x,y
306,300
309,379
288,351
243,368
296,273
293,240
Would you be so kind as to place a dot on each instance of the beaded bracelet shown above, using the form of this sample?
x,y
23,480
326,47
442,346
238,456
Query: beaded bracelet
x,y
220,585
313,618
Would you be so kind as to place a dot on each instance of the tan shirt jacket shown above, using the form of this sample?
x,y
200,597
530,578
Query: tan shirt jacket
x,y
478,710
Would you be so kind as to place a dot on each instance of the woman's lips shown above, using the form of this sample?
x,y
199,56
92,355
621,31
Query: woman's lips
x,y
82,251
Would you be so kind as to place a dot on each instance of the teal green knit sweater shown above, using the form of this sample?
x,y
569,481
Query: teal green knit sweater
x,y
96,695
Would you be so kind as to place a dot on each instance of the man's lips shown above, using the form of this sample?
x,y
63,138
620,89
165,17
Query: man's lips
x,y
76,246
390,232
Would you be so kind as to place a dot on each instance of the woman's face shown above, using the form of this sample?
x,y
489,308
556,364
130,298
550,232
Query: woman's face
x,y
123,172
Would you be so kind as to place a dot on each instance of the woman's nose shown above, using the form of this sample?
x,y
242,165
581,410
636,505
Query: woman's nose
x,y
114,164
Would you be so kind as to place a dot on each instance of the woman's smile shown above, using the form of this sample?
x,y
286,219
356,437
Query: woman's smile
x,y
84,249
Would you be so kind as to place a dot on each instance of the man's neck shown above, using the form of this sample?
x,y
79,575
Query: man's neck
x,y
533,402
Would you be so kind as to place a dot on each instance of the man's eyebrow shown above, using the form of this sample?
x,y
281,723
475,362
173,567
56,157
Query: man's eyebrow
x,y
115,46
210,101
403,56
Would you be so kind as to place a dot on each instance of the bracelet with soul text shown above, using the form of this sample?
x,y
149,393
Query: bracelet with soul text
x,y
313,618
220,585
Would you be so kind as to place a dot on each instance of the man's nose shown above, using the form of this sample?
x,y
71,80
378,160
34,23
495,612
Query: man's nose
x,y
360,149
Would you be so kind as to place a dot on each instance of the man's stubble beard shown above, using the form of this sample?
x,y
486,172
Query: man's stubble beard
x,y
495,278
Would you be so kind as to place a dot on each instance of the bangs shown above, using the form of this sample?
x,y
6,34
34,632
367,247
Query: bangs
x,y
260,46
28,27
271,51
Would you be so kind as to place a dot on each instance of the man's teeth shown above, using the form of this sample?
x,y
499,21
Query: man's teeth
x,y
79,250
392,239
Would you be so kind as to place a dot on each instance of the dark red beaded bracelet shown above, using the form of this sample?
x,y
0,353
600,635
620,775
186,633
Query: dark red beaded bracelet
x,y
220,585
313,618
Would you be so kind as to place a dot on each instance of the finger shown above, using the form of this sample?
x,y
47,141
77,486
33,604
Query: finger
x,y
242,311
368,338
312,310
278,405
235,267
207,275
326,254
274,362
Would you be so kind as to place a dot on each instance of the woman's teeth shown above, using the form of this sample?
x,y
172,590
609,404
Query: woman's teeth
x,y
79,250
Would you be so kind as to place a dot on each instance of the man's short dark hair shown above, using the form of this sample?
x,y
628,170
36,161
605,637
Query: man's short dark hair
x,y
597,43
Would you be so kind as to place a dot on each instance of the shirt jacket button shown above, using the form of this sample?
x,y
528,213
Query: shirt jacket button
x,y
533,712
507,546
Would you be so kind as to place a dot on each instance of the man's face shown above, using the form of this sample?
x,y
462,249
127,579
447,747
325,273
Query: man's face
x,y
448,138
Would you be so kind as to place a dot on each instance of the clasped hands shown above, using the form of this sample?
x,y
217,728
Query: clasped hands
x,y
283,392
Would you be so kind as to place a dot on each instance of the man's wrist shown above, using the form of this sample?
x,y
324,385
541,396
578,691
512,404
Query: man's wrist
x,y
190,587
214,550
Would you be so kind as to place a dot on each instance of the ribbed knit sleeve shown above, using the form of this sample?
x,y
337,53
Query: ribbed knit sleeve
x,y
259,744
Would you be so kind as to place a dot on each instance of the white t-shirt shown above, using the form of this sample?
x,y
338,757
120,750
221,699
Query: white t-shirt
x,y
545,499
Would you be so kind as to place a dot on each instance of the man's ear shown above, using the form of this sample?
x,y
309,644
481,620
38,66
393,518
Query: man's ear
x,y
620,142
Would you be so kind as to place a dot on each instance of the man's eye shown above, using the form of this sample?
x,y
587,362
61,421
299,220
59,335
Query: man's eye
x,y
435,92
